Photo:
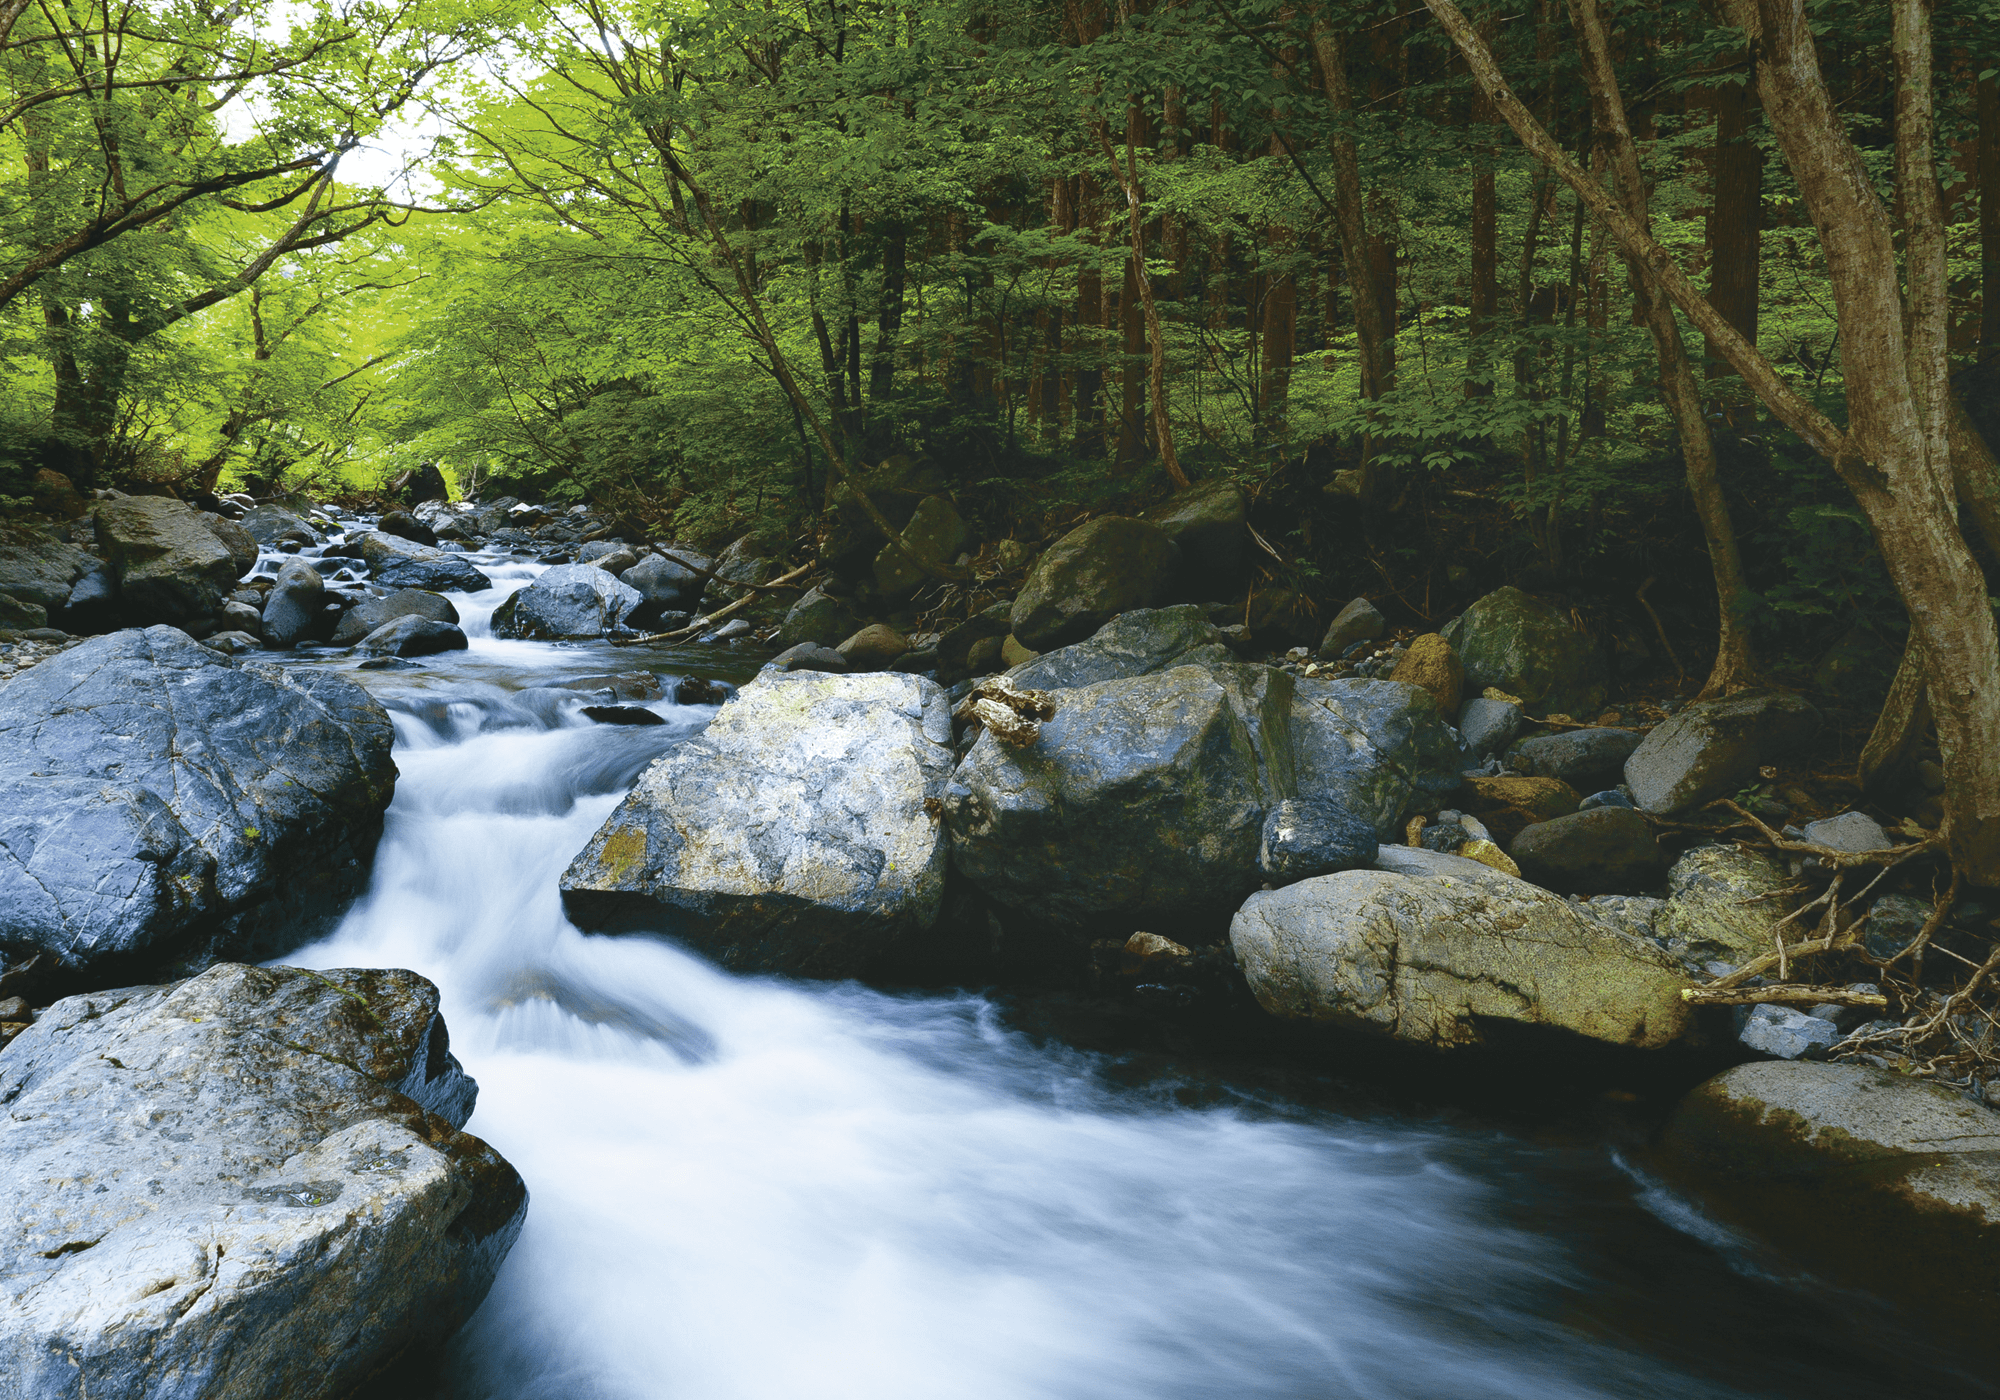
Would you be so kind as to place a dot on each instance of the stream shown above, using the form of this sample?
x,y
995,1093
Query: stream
x,y
761,1189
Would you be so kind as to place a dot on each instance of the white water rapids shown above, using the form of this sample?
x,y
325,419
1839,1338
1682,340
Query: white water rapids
x,y
755,1189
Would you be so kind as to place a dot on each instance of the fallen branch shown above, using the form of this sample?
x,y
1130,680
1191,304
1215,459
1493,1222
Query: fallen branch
x,y
1789,995
702,624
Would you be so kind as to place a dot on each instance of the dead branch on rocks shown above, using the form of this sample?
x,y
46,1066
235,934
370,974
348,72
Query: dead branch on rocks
x,y
1949,1029
1011,713
702,624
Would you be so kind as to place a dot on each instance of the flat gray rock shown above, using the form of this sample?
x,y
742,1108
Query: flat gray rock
x,y
245,1185
1714,748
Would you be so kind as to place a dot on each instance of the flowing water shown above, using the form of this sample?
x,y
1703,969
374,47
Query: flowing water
x,y
757,1189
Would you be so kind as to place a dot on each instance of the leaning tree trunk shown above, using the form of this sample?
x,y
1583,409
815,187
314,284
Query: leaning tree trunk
x,y
1896,458
1734,666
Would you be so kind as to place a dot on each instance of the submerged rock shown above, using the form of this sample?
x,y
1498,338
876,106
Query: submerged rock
x,y
164,802
249,1184
1428,947
797,833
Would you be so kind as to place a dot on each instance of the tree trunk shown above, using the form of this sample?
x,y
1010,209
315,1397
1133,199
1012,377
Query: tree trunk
x,y
1734,668
1483,300
1735,215
889,316
1896,458
1989,217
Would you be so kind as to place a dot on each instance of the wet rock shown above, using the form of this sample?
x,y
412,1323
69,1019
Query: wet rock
x,y
1713,748
808,657
621,685
1488,726
795,834
38,569
1723,902
164,802
411,635
443,573
1529,650
666,585
232,643
1589,760
1786,1033
817,619
1428,948
1608,850
234,538
1432,667
936,534
1378,749
622,714
1871,1177
1610,797
568,602
1509,804
700,690
406,526
1142,801
170,565
1136,643
1089,576
1359,621
242,617
1305,839
272,525
364,618
293,610
249,1184
873,647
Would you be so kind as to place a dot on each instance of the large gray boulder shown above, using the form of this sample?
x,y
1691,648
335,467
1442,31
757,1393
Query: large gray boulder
x,y
364,618
160,803
171,567
1871,1177
1529,650
253,1183
796,834
1379,749
1431,948
1141,803
936,534
37,569
1714,748
272,525
1089,576
568,602
1210,525
293,608
1135,643
666,586
817,619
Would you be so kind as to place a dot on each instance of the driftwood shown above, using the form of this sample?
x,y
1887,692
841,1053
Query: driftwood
x,y
1011,714
702,624
1788,995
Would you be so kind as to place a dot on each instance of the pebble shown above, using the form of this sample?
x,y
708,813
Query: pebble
x,y
16,657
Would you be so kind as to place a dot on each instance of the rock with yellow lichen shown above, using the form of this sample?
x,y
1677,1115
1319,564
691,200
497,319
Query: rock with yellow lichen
x,y
799,833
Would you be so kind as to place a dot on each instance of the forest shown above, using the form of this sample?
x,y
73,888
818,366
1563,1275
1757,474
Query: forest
x,y
1674,310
